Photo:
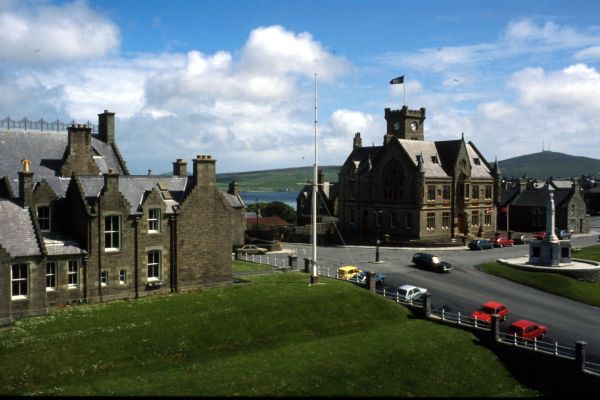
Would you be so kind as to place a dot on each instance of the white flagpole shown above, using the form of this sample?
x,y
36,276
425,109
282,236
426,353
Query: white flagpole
x,y
315,193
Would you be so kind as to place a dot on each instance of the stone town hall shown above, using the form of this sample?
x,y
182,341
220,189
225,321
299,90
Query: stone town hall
x,y
409,188
77,227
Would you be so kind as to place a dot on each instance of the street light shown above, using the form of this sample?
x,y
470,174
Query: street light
x,y
377,224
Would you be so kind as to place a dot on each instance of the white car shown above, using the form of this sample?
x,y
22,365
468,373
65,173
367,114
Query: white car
x,y
252,249
409,292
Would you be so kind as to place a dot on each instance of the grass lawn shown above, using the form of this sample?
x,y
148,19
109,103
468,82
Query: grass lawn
x,y
585,292
273,336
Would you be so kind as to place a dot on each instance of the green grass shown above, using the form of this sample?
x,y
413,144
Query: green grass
x,y
585,292
274,336
241,266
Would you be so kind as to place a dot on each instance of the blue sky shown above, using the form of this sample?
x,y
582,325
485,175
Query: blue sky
x,y
234,79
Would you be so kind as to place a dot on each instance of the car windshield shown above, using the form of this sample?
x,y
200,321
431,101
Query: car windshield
x,y
488,310
402,292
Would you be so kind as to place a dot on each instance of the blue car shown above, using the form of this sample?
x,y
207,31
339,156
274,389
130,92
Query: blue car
x,y
480,244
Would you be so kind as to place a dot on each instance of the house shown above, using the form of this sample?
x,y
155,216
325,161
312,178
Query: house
x,y
523,204
75,226
412,189
326,202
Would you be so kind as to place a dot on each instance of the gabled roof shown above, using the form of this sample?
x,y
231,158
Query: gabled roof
x,y
539,197
46,151
432,160
16,219
448,150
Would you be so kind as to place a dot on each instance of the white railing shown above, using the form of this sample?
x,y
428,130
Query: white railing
x,y
538,345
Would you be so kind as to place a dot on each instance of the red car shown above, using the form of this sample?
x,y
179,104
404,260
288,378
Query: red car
x,y
502,242
527,329
484,314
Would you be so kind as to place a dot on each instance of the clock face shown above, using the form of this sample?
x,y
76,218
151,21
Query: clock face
x,y
397,126
413,126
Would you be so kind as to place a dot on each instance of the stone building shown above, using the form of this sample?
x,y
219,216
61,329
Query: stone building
x,y
78,228
409,188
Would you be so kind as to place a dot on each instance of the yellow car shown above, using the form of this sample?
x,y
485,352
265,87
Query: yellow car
x,y
347,272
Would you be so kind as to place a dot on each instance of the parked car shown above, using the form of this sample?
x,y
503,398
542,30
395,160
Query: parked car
x,y
348,272
430,261
487,309
501,241
521,239
480,244
539,235
361,277
527,329
563,234
409,292
252,249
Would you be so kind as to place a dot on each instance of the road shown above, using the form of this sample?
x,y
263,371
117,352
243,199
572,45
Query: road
x,y
464,289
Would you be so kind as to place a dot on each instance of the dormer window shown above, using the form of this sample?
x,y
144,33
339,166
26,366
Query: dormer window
x,y
154,220
434,159
476,161
43,215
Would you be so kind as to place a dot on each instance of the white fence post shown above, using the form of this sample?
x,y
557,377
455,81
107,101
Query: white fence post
x,y
397,296
383,292
515,338
534,343
555,348
443,316
475,322
459,317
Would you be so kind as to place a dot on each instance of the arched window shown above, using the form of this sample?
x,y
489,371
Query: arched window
x,y
392,181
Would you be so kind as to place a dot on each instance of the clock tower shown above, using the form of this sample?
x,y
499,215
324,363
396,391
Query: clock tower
x,y
404,124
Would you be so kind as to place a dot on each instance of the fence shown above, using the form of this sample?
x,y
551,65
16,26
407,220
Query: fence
x,y
423,304
38,125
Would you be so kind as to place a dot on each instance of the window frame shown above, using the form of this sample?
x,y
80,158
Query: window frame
x,y
430,218
430,192
155,267
112,233
122,276
50,276
154,220
73,274
42,218
22,281
104,278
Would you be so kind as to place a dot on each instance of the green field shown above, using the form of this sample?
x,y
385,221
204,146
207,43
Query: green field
x,y
586,292
271,336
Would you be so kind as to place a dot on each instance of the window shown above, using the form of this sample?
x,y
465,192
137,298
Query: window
x,y
122,277
378,218
430,220
408,221
445,220
431,192
154,220
73,275
103,278
50,276
487,220
446,192
393,219
475,218
43,215
20,281
153,265
434,159
476,161
352,217
488,191
466,190
112,232
475,194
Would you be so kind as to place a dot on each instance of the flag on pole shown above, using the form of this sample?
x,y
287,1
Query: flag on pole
x,y
397,80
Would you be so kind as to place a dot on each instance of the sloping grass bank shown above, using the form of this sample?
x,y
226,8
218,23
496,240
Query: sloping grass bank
x,y
274,336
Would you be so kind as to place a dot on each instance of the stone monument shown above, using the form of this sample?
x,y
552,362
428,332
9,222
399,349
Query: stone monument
x,y
550,251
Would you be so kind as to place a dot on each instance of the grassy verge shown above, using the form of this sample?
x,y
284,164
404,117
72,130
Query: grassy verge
x,y
585,292
274,336
241,266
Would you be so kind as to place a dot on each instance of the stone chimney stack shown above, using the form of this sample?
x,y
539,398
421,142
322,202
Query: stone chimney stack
x,y
205,170
180,168
575,185
79,157
106,126
233,188
357,142
111,181
26,188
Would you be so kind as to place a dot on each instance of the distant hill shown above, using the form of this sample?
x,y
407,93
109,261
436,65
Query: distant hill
x,y
290,179
545,164
537,165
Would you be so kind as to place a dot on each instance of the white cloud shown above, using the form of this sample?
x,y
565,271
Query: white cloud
x,y
51,34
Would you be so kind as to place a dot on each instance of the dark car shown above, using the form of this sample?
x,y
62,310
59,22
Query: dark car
x,y
520,239
432,262
563,234
361,278
480,244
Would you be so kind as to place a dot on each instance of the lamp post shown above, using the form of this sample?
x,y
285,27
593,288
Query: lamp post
x,y
377,224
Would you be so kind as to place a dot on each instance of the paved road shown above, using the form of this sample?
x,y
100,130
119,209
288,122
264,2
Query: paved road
x,y
465,288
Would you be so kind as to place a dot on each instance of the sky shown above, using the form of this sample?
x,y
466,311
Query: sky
x,y
235,79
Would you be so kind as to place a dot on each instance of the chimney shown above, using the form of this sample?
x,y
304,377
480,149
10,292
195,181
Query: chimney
x,y
180,168
111,181
204,170
106,126
575,185
320,177
233,188
522,184
357,143
26,188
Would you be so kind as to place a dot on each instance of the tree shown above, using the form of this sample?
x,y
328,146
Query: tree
x,y
277,208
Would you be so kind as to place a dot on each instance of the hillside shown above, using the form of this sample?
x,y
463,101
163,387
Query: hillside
x,y
537,165
275,179
549,163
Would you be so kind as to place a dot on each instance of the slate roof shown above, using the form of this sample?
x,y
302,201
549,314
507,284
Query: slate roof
x,y
17,234
539,197
432,160
134,189
235,201
46,151
58,245
271,220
